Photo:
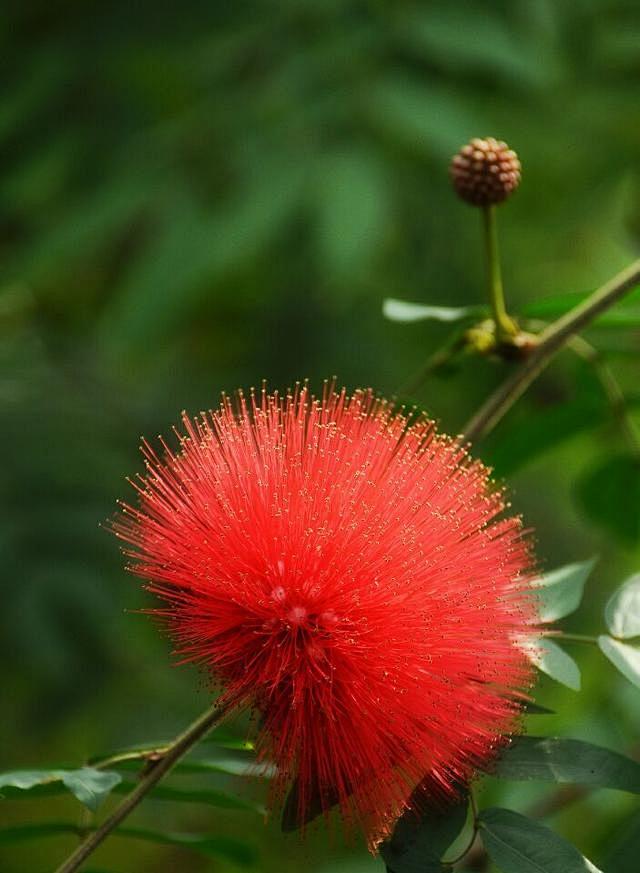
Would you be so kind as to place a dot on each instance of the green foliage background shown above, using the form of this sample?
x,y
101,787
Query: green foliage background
x,y
202,195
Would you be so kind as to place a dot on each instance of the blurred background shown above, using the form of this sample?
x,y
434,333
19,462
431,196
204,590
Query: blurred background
x,y
198,196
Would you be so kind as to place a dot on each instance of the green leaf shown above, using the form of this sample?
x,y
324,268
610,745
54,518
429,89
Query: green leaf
x,y
212,846
21,833
26,779
554,661
622,855
557,759
402,310
622,612
205,844
518,844
191,247
532,708
317,802
233,766
560,591
352,205
88,225
225,739
90,786
208,796
610,496
472,39
531,436
428,118
626,658
420,838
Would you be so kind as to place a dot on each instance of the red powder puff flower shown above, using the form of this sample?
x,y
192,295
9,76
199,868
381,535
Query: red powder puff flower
x,y
351,576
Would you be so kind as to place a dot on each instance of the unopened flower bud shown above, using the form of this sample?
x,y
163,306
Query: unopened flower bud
x,y
485,171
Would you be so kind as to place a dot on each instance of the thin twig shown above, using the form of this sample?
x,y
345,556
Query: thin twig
x,y
155,772
612,391
439,359
147,754
551,341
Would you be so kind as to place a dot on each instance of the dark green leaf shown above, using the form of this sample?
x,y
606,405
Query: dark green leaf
x,y
420,838
205,844
226,848
531,436
192,246
227,740
208,796
518,844
556,759
90,786
88,225
532,708
622,612
21,833
403,310
623,656
610,496
560,591
554,661
318,801
622,855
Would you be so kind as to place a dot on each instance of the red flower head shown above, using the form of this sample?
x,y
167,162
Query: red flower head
x,y
351,576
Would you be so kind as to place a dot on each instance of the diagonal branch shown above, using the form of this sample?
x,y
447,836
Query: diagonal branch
x,y
552,340
152,774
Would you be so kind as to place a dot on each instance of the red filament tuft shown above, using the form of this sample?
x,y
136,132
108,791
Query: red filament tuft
x,y
351,575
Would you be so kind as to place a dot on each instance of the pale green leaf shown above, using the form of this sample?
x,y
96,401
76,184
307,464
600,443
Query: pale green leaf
x,y
554,661
622,612
89,785
626,658
560,591
403,310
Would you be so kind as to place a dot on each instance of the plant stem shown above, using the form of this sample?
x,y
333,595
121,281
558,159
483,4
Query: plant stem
x,y
148,754
612,391
505,327
151,776
440,358
551,341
